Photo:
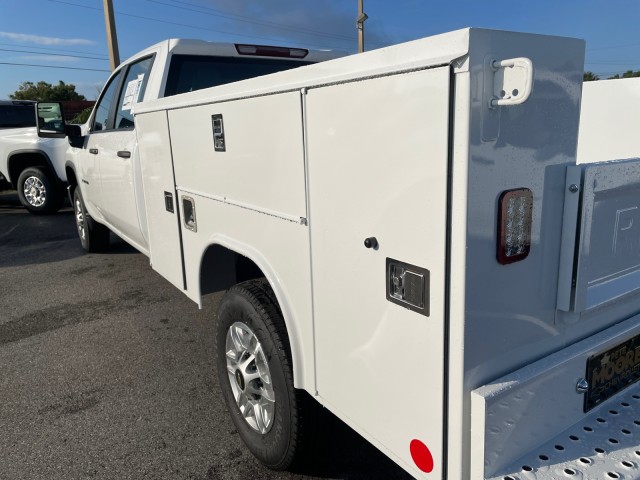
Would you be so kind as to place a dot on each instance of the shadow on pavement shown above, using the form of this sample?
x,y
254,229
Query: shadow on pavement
x,y
27,239
339,452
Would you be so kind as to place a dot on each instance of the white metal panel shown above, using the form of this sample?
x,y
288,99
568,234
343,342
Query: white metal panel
x,y
279,247
510,310
263,165
457,427
503,316
608,261
609,120
118,196
378,156
157,173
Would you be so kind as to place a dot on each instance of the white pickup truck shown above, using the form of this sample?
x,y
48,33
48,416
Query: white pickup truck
x,y
34,166
406,238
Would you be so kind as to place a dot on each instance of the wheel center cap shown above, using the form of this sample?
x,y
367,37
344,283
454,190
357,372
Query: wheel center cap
x,y
240,379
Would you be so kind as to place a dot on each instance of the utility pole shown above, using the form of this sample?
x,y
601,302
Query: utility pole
x,y
112,38
360,25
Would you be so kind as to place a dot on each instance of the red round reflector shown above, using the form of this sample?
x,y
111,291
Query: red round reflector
x,y
421,456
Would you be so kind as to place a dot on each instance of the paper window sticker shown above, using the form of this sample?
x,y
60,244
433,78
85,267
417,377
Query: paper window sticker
x,y
130,94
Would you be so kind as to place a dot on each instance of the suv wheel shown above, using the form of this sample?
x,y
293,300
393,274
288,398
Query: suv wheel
x,y
38,192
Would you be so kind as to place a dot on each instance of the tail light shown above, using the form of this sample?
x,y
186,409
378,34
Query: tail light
x,y
514,225
267,51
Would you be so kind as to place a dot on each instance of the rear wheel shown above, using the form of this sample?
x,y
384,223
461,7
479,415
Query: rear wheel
x,y
39,192
255,374
94,236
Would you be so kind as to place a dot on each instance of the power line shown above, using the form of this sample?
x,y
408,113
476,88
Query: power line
x,y
613,46
55,66
243,18
52,54
140,17
49,48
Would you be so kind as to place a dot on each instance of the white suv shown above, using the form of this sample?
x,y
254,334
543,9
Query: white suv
x,y
34,166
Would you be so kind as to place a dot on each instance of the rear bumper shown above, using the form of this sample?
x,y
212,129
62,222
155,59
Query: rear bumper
x,y
531,423
605,444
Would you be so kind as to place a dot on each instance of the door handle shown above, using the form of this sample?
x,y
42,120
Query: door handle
x,y
124,154
93,151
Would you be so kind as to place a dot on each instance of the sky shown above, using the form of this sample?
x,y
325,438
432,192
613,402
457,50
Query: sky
x,y
53,40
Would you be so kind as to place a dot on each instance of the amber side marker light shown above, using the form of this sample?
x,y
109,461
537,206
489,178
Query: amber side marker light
x,y
514,225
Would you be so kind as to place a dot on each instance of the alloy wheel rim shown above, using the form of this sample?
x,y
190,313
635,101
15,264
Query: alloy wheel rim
x,y
250,377
34,191
80,219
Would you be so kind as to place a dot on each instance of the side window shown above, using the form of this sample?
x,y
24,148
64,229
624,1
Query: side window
x,y
132,91
17,116
194,72
101,120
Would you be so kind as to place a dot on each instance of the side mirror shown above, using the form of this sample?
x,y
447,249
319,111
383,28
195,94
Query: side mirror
x,y
50,120
74,133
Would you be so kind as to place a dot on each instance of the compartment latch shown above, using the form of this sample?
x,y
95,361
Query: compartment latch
x,y
408,286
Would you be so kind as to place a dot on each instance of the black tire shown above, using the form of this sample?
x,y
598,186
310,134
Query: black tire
x,y
39,191
253,305
94,236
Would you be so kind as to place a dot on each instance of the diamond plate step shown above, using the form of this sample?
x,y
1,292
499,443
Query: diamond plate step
x,y
605,445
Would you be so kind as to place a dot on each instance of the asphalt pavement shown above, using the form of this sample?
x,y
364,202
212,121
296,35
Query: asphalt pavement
x,y
106,371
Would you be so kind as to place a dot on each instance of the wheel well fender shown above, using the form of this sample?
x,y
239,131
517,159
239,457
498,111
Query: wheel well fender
x,y
21,159
226,262
72,180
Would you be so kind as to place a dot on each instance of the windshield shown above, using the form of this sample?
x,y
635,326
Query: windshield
x,y
17,116
194,72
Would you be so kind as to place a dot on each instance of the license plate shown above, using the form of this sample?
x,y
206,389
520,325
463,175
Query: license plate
x,y
612,371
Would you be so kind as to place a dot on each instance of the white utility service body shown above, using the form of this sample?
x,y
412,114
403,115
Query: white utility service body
x,y
609,120
372,192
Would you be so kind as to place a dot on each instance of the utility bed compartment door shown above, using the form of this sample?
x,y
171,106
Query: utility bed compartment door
x,y
160,196
378,158
607,261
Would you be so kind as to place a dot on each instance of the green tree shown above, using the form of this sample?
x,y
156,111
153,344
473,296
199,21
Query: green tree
x,y
627,74
43,91
590,77
82,117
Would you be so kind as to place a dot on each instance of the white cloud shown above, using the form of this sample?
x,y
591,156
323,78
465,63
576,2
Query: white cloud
x,y
37,39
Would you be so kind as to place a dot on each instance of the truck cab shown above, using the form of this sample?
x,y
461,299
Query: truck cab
x,y
103,161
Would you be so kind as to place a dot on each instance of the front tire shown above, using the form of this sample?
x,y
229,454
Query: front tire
x,y
94,236
255,374
38,192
